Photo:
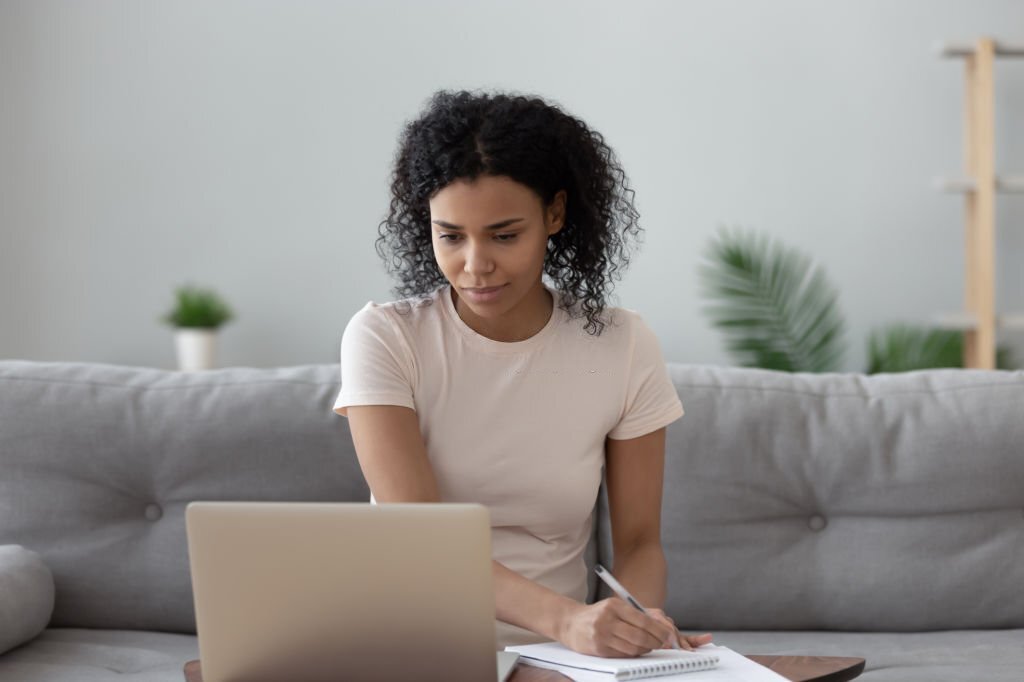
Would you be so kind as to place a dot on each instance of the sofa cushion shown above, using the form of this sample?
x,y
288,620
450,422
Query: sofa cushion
x,y
74,655
950,656
100,461
26,595
890,502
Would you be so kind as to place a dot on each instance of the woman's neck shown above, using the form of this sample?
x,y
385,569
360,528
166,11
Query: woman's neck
x,y
523,321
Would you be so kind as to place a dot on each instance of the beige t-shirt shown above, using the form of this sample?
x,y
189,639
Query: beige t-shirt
x,y
518,426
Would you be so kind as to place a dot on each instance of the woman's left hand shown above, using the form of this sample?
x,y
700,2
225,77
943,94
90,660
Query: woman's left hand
x,y
687,642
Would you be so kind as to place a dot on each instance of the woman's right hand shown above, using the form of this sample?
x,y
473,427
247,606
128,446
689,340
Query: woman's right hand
x,y
613,629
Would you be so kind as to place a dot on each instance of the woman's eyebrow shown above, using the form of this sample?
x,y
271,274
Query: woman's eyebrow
x,y
495,226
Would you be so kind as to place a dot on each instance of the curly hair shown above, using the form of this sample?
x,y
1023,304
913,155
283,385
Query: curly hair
x,y
462,135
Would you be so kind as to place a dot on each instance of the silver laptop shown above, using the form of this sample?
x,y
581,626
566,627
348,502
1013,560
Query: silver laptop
x,y
320,592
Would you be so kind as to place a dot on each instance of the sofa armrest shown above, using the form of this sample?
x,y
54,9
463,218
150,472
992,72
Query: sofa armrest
x,y
26,596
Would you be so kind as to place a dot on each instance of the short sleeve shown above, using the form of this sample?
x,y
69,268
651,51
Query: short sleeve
x,y
376,363
651,398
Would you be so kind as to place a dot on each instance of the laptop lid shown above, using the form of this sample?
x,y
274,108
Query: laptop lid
x,y
316,592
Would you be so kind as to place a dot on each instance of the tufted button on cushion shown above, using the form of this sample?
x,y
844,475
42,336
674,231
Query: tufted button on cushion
x,y
154,512
817,522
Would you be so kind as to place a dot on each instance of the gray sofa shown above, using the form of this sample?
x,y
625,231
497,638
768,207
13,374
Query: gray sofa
x,y
879,517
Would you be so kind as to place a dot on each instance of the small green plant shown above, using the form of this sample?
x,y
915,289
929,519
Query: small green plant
x,y
198,308
904,348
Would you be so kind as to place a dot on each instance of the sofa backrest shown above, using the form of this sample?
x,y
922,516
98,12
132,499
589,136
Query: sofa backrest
x,y
97,464
791,501
889,502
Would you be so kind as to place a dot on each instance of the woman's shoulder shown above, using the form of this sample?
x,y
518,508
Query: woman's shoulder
x,y
617,322
625,337
400,313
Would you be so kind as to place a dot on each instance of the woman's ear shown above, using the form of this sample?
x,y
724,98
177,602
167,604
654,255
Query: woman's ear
x,y
556,212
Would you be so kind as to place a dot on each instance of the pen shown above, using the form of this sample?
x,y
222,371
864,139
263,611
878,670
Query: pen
x,y
617,587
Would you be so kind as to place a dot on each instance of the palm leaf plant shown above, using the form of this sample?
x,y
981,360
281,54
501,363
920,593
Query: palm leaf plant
x,y
776,308
779,311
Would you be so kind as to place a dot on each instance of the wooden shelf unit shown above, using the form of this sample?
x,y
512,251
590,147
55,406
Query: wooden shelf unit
x,y
979,320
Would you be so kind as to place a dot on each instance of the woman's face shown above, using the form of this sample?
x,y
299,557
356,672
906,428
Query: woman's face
x,y
492,234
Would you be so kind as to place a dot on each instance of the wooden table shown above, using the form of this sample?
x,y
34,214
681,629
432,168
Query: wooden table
x,y
813,668
795,668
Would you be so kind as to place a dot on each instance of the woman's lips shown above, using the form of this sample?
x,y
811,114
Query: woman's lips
x,y
484,295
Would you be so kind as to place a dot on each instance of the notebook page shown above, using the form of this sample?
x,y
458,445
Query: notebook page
x,y
732,667
554,653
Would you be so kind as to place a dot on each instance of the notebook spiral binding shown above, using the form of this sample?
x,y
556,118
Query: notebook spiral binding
x,y
653,670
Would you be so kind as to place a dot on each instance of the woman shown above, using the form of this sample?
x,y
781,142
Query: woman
x,y
484,384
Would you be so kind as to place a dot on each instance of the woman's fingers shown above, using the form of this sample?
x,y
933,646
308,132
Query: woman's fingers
x,y
678,638
639,632
698,640
673,634
688,642
648,630
637,635
625,648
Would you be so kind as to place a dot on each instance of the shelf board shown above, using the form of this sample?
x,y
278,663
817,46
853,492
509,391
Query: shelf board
x,y
1011,184
958,321
955,49
1015,321
964,321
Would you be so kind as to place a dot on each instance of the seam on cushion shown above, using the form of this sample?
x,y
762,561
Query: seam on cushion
x,y
170,388
836,512
766,389
770,389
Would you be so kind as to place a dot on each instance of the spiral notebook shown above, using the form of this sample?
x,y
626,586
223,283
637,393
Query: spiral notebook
x,y
653,664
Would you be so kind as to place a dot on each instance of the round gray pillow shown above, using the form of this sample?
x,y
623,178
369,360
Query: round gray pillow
x,y
26,596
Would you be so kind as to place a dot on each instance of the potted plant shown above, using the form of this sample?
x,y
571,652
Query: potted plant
x,y
196,316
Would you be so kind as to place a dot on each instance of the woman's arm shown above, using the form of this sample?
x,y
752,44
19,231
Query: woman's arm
x,y
635,471
391,453
394,461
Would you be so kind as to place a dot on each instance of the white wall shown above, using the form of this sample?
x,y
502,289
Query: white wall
x,y
246,145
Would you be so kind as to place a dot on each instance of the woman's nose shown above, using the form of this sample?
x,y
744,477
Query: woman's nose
x,y
478,259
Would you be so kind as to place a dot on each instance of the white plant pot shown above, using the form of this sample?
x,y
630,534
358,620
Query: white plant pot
x,y
196,348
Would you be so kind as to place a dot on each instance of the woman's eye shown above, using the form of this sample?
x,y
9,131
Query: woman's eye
x,y
456,237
